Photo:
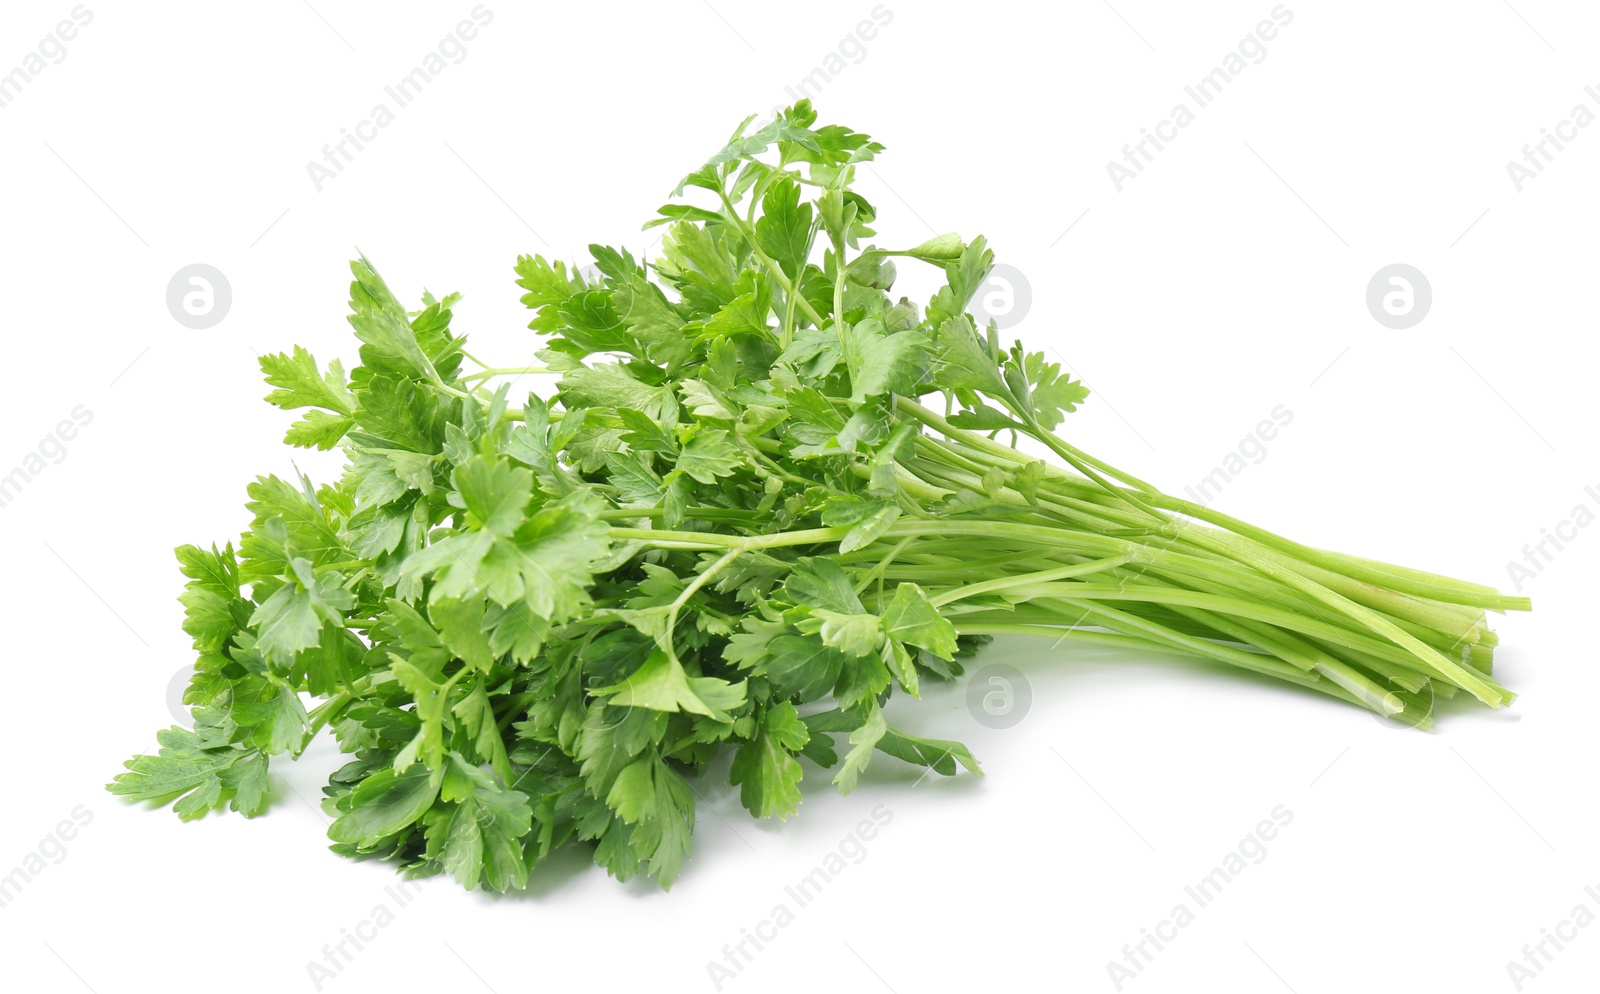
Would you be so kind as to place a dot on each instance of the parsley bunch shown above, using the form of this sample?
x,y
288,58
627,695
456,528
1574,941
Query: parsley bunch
x,y
733,527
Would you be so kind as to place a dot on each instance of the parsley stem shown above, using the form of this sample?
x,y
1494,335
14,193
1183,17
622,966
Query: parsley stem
x,y
486,373
1043,576
1381,575
694,585
712,540
326,710
767,261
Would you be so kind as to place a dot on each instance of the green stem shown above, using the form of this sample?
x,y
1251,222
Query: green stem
x,y
325,711
772,267
1044,576
505,371
689,591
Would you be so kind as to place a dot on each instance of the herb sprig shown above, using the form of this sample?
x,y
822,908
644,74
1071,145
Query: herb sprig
x,y
733,526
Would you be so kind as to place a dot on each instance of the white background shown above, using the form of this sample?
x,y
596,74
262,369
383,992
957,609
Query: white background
x,y
1226,279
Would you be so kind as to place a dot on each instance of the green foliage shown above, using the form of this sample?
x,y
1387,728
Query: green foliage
x,y
727,526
